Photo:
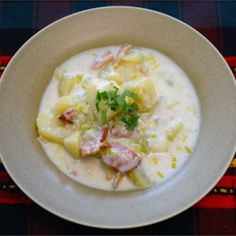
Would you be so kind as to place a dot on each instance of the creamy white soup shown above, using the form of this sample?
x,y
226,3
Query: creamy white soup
x,y
119,118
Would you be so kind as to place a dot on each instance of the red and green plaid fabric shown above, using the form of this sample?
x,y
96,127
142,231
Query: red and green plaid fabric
x,y
215,214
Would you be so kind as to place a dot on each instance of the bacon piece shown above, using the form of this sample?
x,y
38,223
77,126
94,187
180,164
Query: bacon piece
x,y
143,69
104,133
123,50
121,132
122,158
67,116
103,60
93,145
90,147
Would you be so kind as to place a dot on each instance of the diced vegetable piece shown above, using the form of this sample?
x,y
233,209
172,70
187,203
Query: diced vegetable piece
x,y
91,93
116,77
139,178
129,71
151,60
49,128
174,162
144,145
67,83
133,57
188,149
58,74
72,144
109,73
173,129
86,81
65,86
65,103
160,174
147,97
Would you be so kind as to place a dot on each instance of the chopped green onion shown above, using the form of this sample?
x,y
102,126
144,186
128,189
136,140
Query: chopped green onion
x,y
160,174
103,116
188,149
115,102
174,162
144,145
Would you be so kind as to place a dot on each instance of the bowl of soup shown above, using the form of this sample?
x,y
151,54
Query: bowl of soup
x,y
117,117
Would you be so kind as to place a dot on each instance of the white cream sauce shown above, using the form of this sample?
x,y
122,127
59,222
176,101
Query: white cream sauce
x,y
177,100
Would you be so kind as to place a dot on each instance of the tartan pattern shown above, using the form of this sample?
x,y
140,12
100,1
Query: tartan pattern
x,y
214,214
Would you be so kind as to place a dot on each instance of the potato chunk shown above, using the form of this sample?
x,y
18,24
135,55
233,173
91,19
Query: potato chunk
x,y
151,60
49,128
139,178
116,77
72,144
67,83
129,71
145,89
109,73
64,103
173,129
133,57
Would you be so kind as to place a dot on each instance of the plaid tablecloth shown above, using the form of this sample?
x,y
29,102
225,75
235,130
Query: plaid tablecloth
x,y
215,214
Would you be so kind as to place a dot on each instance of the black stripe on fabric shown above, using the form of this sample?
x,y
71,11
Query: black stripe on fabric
x,y
230,171
218,221
2,167
228,23
219,29
173,226
12,39
229,37
179,225
13,219
228,13
84,5
34,12
168,7
220,190
16,14
195,213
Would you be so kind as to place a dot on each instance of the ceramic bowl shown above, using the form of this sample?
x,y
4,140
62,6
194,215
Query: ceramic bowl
x,y
29,72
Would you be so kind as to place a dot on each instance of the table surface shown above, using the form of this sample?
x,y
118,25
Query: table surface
x,y
216,20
